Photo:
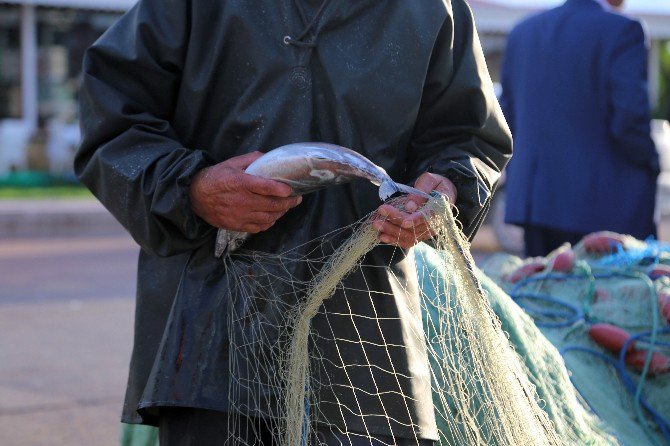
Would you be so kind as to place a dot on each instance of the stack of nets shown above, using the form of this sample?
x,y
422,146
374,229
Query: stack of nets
x,y
495,379
483,392
624,289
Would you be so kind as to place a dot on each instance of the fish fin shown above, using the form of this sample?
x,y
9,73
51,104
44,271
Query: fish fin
x,y
389,188
402,188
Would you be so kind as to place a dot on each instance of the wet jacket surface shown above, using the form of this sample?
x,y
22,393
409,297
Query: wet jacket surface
x,y
179,85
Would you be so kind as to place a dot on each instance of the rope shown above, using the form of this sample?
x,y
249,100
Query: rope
x,y
574,315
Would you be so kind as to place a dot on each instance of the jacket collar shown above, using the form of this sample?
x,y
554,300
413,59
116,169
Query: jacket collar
x,y
586,3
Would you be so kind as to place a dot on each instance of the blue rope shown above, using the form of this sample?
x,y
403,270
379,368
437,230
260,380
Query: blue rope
x,y
629,385
305,424
647,258
566,318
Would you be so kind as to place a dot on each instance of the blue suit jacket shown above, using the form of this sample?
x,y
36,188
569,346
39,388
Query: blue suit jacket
x,y
575,97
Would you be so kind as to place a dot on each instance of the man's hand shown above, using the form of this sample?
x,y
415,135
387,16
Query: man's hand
x,y
406,229
226,197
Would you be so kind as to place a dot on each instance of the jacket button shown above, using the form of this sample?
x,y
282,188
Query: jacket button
x,y
301,78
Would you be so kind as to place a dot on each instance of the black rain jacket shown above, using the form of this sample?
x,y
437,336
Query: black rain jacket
x,y
178,85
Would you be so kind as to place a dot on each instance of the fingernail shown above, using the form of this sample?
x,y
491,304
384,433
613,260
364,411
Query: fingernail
x,y
407,224
385,239
377,226
411,206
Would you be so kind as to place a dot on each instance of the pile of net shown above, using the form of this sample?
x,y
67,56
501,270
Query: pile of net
x,y
495,376
483,392
605,305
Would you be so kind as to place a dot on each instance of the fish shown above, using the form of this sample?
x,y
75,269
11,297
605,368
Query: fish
x,y
311,166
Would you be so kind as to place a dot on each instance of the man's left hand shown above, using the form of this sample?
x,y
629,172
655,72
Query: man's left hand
x,y
406,229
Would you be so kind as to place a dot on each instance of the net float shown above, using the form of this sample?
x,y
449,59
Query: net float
x,y
526,270
603,242
564,261
610,337
659,271
659,363
664,305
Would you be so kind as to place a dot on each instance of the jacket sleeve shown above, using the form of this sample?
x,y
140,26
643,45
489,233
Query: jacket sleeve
x,y
629,108
460,130
130,155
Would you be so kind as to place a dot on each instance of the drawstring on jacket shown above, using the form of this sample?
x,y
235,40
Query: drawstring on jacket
x,y
300,40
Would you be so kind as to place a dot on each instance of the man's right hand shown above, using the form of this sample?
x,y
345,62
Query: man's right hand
x,y
226,197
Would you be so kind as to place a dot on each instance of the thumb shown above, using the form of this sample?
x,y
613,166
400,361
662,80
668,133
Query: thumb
x,y
429,182
447,188
426,183
241,162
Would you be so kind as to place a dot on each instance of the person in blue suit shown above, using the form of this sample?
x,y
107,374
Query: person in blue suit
x,y
575,97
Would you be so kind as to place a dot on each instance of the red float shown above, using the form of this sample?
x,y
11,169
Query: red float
x,y
659,362
603,242
564,261
526,270
610,337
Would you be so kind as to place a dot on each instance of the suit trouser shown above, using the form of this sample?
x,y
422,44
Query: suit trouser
x,y
540,240
182,426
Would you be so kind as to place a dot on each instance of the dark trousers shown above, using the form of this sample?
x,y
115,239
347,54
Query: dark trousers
x,y
540,241
184,426
181,426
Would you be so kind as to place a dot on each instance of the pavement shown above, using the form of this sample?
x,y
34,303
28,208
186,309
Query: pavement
x,y
57,217
63,373
67,271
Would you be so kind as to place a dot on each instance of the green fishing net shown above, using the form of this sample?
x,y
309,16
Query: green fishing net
x,y
611,288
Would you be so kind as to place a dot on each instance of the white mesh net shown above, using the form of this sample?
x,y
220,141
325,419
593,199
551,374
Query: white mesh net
x,y
326,362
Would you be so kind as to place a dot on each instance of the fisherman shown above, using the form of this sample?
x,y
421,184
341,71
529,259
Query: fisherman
x,y
179,97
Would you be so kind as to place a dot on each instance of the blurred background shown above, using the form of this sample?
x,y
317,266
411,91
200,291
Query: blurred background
x,y
67,268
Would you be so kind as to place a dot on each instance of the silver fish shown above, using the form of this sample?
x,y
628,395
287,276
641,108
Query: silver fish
x,y
310,166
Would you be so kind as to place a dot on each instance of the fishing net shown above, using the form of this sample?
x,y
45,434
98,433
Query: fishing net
x,y
293,374
622,291
495,365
